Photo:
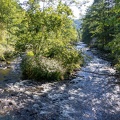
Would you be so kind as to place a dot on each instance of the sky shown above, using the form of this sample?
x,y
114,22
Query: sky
x,y
77,12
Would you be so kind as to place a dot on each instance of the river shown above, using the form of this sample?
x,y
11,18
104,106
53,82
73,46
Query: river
x,y
92,95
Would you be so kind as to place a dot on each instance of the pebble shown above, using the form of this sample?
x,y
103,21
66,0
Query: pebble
x,y
28,93
35,106
36,97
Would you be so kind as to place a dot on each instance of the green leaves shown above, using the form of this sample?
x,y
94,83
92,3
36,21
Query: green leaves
x,y
10,18
48,34
103,23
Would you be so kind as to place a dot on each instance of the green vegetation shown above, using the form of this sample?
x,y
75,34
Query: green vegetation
x,y
42,68
10,18
45,36
101,28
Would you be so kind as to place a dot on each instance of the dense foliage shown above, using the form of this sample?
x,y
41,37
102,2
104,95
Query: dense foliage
x,y
10,18
45,35
101,28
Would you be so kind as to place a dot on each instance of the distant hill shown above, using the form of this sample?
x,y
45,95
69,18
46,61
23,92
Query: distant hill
x,y
77,23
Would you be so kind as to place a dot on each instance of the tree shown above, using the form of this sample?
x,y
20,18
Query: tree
x,y
48,34
10,18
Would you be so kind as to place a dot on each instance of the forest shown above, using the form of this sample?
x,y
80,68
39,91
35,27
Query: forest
x,y
101,28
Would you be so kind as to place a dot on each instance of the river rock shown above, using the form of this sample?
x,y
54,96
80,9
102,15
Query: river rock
x,y
28,92
36,97
35,106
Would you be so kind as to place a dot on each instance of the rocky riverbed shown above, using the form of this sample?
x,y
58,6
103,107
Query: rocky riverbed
x,y
92,95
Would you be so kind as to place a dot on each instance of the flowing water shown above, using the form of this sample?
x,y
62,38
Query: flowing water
x,y
92,95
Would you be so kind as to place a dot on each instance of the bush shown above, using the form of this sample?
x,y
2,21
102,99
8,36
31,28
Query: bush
x,y
70,57
114,46
6,52
9,54
118,65
42,68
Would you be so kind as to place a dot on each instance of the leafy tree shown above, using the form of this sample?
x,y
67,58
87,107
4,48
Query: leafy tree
x,y
10,18
48,33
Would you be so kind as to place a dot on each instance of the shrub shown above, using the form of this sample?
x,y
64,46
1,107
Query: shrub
x,y
70,57
6,52
42,68
118,65
9,54
114,46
